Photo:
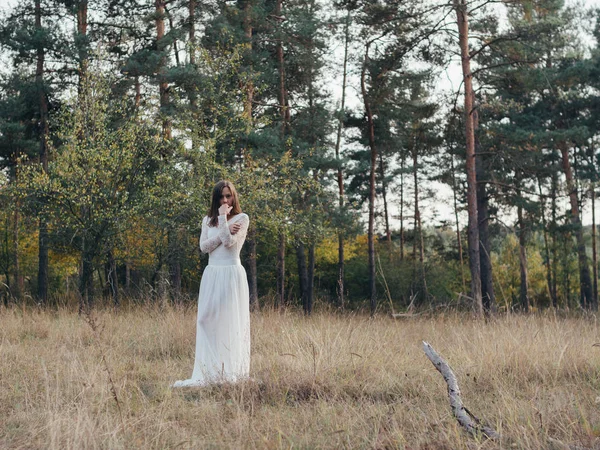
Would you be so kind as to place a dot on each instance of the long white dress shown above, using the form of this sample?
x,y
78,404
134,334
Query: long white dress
x,y
223,327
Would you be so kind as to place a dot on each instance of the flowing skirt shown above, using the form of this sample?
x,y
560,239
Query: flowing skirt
x,y
223,327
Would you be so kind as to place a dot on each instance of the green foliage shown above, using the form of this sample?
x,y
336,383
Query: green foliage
x,y
117,188
506,274
98,174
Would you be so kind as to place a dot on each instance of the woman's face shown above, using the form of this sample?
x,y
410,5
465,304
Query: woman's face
x,y
226,197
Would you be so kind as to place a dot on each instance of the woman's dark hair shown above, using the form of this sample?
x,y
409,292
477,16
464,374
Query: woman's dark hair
x,y
213,212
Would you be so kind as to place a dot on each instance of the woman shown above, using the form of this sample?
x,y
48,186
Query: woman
x,y
223,328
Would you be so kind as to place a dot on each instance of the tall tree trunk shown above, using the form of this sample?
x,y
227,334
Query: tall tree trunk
x,y
553,227
371,232
547,262
594,248
302,275
388,233
340,172
314,144
161,274
43,261
458,236
285,115
340,281
18,288
473,229
566,249
411,147
281,271
310,284
127,277
171,27
487,287
282,92
524,284
192,94
112,278
163,86
82,24
138,92
249,88
82,49
6,254
249,91
402,163
422,258
86,277
106,287
418,243
587,300
18,284
192,30
174,263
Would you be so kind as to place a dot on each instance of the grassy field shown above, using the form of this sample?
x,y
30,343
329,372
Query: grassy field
x,y
328,381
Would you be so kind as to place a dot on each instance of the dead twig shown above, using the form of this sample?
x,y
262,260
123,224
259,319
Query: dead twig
x,y
465,418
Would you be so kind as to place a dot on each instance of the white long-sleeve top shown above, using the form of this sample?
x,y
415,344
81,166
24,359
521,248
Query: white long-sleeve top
x,y
222,246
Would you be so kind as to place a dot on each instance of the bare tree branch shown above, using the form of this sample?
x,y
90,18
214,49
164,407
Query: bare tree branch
x,y
465,418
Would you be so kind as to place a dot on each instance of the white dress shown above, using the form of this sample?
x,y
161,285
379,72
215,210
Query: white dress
x,y
223,327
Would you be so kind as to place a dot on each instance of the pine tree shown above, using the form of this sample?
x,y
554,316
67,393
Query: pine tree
x,y
462,15
539,121
390,34
31,35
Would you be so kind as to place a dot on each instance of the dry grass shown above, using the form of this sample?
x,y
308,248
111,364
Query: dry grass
x,y
328,381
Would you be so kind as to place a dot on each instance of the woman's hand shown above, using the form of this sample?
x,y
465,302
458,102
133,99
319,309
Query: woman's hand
x,y
234,228
224,209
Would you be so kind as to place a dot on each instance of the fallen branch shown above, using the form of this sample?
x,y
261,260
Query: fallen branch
x,y
467,420
410,311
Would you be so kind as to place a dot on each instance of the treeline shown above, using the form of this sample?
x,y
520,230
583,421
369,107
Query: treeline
x,y
118,116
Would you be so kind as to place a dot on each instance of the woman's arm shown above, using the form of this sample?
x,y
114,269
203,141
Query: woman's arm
x,y
208,245
228,239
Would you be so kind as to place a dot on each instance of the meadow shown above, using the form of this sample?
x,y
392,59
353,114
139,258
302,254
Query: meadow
x,y
327,381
